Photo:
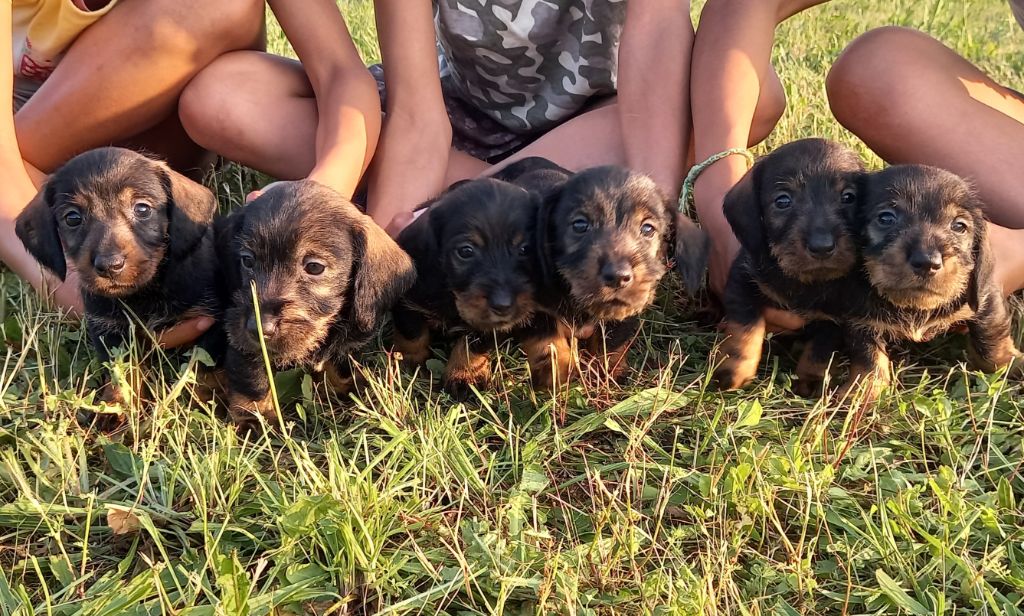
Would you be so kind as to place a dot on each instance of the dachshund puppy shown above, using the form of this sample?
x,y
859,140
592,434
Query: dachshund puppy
x,y
324,275
604,235
473,251
140,237
794,214
930,267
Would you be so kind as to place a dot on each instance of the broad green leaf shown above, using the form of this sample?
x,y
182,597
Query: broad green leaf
x,y
898,596
234,584
749,415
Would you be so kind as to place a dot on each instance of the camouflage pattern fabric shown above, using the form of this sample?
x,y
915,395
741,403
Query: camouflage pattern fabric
x,y
512,70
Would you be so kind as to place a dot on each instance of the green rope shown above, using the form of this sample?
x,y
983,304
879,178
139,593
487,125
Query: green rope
x,y
686,195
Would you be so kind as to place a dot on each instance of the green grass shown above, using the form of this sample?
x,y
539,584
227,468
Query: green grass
x,y
660,497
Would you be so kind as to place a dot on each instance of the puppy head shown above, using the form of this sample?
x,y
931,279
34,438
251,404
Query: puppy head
x,y
924,236
798,205
116,215
607,232
483,232
318,264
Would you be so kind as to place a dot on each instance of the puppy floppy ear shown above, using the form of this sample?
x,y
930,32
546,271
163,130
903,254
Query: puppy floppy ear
x,y
36,227
742,207
983,282
383,273
190,210
691,253
435,221
225,228
548,198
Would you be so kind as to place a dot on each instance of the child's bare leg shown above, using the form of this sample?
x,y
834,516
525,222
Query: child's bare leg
x,y
914,100
123,75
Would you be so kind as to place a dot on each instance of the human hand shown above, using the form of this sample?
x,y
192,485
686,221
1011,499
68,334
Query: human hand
x,y
777,321
184,332
255,194
399,222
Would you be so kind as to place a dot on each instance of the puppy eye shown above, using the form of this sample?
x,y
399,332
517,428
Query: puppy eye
x,y
580,225
886,218
247,260
524,249
848,197
314,268
465,251
647,230
783,201
143,210
73,218
959,226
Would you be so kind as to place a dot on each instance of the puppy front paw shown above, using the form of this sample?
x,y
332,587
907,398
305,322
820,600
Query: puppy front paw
x,y
739,355
459,384
865,387
461,376
245,411
342,381
735,373
415,351
551,361
810,374
109,420
995,356
110,393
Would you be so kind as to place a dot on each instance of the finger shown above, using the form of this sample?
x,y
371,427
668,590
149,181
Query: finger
x,y
399,222
782,321
256,194
183,333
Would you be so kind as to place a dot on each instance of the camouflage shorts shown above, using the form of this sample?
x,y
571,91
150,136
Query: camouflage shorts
x,y
473,131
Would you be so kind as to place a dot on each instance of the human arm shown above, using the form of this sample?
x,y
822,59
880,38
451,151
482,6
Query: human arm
x,y
731,57
16,178
653,89
412,157
348,108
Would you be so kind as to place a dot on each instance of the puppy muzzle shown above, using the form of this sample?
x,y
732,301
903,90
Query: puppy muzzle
x,y
267,324
109,265
820,245
617,274
925,262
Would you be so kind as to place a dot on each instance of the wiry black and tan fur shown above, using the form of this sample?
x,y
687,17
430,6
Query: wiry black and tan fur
x,y
794,213
324,273
604,238
930,267
140,238
473,249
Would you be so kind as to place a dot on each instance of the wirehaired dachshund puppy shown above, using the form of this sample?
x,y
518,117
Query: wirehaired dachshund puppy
x,y
473,251
140,237
324,275
929,266
794,213
604,237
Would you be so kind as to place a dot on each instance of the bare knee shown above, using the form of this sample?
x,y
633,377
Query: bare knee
x,y
878,68
208,106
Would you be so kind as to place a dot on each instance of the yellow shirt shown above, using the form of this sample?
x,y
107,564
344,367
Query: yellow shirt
x,y
44,29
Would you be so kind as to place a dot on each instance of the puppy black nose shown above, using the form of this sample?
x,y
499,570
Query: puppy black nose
x,y
500,302
107,265
268,323
617,275
821,245
926,262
